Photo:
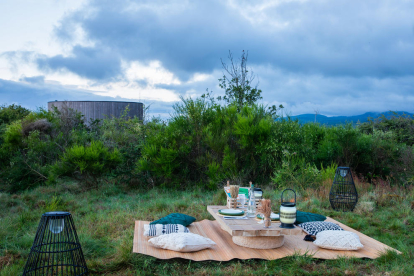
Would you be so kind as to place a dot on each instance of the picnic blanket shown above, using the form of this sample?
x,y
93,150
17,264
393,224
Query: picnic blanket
x,y
226,250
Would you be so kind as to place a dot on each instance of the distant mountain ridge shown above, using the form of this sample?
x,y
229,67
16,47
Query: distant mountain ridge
x,y
336,120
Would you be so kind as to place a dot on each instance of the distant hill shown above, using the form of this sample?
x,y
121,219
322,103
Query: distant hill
x,y
336,120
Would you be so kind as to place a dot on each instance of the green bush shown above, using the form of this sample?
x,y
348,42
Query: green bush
x,y
210,143
11,113
86,163
204,142
296,172
401,125
32,144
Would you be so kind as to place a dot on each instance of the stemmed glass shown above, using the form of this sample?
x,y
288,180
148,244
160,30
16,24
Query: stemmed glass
x,y
242,198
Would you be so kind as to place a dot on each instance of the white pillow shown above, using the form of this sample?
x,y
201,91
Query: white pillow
x,y
182,242
338,240
154,230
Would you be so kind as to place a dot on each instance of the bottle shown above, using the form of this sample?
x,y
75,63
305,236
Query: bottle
x,y
251,208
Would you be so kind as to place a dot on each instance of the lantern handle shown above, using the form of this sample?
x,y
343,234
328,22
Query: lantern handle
x,y
281,196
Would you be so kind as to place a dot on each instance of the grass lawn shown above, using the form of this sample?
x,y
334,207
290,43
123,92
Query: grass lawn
x,y
105,217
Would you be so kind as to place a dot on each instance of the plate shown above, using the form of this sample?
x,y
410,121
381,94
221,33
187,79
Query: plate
x,y
273,216
231,212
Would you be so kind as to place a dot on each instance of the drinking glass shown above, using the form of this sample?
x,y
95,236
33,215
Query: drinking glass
x,y
242,198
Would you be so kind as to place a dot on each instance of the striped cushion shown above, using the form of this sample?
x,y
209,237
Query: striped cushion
x,y
154,230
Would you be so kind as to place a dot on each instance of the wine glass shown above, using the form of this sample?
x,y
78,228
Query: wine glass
x,y
242,198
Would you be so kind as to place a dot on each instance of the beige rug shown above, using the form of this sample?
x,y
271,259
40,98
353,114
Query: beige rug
x,y
226,250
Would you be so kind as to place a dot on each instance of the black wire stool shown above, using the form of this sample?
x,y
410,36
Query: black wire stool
x,y
56,249
343,195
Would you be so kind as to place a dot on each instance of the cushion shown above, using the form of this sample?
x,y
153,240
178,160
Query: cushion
x,y
244,191
314,227
175,218
338,240
154,230
302,217
182,242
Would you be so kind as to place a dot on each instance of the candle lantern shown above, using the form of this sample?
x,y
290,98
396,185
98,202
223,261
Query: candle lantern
x,y
258,193
56,249
287,211
343,195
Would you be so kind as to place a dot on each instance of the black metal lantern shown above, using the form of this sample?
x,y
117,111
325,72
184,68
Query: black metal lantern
x,y
343,195
56,249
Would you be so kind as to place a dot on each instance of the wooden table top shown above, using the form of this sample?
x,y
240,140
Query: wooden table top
x,y
250,227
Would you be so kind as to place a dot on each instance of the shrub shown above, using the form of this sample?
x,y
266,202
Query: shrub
x,y
296,172
206,142
11,113
41,125
401,125
86,163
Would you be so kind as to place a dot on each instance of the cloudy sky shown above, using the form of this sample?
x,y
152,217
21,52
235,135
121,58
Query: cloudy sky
x,y
339,57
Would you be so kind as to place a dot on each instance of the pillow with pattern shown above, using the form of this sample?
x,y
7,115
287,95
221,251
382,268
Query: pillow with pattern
x,y
314,227
302,217
154,230
338,240
175,218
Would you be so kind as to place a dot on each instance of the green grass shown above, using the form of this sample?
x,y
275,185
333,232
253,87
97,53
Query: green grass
x,y
104,219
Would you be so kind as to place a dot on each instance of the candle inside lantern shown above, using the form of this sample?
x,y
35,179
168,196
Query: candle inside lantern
x,y
288,214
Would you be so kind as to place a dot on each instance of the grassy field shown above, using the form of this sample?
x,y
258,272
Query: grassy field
x,y
104,219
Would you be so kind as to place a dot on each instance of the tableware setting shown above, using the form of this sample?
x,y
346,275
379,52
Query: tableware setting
x,y
273,216
231,212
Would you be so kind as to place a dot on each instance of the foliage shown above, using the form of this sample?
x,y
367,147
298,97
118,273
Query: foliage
x,y
295,172
208,142
401,126
238,83
127,135
34,143
11,113
86,163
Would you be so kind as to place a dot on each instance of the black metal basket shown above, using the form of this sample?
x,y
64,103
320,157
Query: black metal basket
x,y
56,249
343,195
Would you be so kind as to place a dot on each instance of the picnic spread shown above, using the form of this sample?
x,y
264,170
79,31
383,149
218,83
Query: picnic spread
x,y
254,232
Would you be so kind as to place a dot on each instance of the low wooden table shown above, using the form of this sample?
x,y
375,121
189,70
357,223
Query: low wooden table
x,y
249,233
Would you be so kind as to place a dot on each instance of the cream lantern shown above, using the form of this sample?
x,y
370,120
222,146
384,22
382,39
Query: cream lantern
x,y
287,212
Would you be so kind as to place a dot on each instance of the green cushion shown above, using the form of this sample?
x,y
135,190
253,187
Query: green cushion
x,y
175,218
245,192
302,217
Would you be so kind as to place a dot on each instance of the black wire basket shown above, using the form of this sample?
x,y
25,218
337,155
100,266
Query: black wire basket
x,y
343,195
56,249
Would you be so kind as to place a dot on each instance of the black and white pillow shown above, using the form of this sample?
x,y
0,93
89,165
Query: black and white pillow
x,y
154,230
314,227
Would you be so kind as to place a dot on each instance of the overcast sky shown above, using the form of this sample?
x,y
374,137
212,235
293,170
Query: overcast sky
x,y
338,57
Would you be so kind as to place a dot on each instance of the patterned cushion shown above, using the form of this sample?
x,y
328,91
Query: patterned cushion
x,y
302,217
175,218
154,230
338,240
314,227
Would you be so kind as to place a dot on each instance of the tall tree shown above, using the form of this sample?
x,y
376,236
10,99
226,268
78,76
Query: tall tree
x,y
237,82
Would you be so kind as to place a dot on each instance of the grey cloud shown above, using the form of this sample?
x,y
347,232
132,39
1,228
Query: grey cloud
x,y
342,57
34,80
93,63
368,38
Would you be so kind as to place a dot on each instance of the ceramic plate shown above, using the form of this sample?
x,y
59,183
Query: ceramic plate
x,y
231,212
273,216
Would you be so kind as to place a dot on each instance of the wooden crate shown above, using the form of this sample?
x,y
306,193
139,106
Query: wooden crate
x,y
230,200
